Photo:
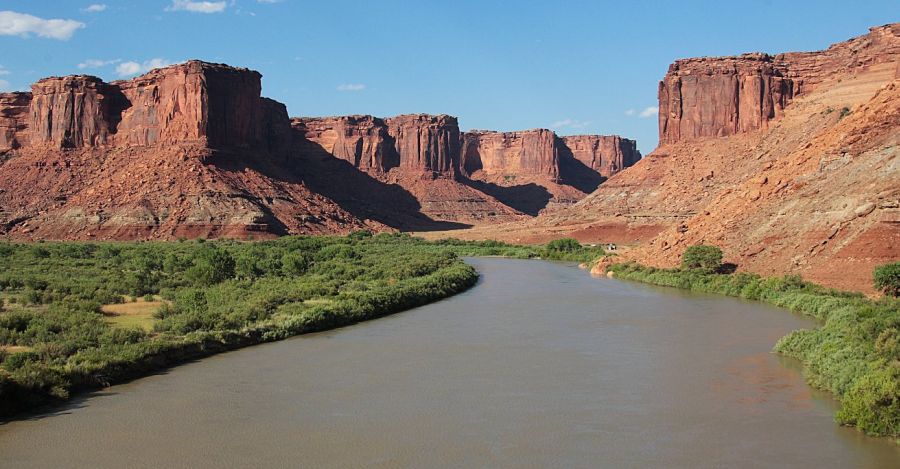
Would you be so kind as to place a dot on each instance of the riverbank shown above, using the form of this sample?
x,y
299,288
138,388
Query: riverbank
x,y
855,354
58,340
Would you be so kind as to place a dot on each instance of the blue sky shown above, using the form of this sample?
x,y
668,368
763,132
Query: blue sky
x,y
574,66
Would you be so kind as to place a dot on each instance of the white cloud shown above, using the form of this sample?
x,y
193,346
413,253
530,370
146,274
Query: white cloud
x,y
649,111
24,25
269,1
95,8
570,123
95,63
197,7
630,112
4,71
351,87
4,85
127,69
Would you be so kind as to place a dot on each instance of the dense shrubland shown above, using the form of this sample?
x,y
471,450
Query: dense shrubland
x,y
55,338
855,354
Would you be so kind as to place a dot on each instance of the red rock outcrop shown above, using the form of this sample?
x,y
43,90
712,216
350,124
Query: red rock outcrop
x,y
604,154
414,143
722,96
526,153
71,112
14,117
425,143
360,140
197,102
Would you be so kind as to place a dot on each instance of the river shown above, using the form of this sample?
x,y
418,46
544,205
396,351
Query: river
x,y
539,365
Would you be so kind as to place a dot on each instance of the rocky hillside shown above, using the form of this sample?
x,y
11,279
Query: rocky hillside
x,y
194,150
789,162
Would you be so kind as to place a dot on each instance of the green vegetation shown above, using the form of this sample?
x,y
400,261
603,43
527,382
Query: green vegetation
x,y
703,257
887,279
855,354
845,111
83,315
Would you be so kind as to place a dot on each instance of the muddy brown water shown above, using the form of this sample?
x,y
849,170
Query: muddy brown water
x,y
540,365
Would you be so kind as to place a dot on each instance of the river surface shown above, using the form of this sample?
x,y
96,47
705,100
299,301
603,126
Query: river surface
x,y
539,365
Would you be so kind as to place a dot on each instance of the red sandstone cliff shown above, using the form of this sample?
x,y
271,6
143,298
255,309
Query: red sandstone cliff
x,y
186,150
604,154
721,96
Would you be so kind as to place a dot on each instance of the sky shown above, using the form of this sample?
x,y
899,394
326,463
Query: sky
x,y
577,67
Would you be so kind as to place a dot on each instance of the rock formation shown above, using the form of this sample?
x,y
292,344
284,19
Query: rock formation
x,y
604,154
14,109
524,153
414,143
722,96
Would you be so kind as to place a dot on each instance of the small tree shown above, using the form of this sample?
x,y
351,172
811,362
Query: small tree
x,y
701,256
887,279
564,245
211,266
295,263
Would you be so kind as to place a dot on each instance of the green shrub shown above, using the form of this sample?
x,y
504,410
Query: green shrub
x,y
887,279
703,257
211,266
563,245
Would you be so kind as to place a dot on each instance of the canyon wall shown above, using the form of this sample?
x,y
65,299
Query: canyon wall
x,y
722,96
412,143
529,152
14,108
191,103
604,154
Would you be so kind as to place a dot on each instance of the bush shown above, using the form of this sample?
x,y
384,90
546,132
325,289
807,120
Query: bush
x,y
295,263
887,279
211,266
703,257
563,245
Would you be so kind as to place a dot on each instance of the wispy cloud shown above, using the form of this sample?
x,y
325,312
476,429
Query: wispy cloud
x,y
570,124
96,63
269,1
130,68
649,111
197,7
630,112
24,25
351,87
4,71
4,85
95,8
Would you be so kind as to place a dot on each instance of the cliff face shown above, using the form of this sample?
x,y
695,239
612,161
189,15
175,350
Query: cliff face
x,y
425,143
414,143
528,153
722,96
71,112
14,118
210,105
604,154
359,140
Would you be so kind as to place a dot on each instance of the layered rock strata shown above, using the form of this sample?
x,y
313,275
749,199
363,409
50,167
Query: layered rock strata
x,y
722,96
